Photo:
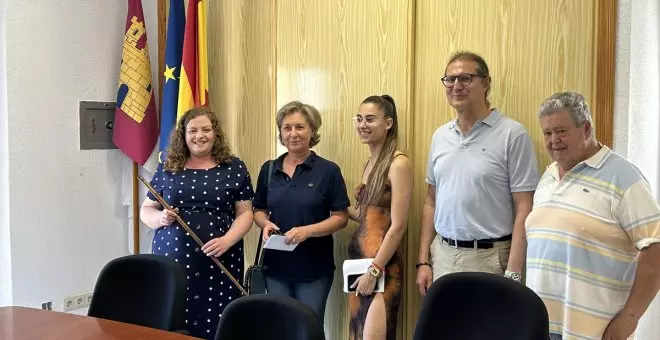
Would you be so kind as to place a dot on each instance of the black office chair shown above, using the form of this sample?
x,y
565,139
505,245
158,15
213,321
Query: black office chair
x,y
273,317
146,290
475,306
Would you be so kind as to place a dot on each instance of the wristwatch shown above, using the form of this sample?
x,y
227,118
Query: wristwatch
x,y
513,276
375,271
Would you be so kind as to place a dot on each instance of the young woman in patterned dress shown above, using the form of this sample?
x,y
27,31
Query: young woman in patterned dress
x,y
383,201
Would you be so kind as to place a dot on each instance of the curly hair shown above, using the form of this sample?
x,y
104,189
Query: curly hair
x,y
178,152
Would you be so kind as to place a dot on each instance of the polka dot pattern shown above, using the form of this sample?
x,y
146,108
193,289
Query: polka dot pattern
x,y
209,211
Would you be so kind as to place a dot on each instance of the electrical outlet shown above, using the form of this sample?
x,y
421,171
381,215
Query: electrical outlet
x,y
80,301
89,298
69,304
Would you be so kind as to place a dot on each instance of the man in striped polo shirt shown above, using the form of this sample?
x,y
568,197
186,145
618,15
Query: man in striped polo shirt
x,y
593,235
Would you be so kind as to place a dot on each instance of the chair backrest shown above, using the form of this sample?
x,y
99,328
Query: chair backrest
x,y
265,316
144,289
470,306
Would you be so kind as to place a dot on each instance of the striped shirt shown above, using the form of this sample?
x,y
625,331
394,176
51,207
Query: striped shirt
x,y
584,234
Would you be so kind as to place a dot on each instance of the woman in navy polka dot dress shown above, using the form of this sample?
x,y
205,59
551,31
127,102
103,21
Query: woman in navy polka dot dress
x,y
211,190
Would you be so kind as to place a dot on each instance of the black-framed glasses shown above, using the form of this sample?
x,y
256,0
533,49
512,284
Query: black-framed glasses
x,y
464,78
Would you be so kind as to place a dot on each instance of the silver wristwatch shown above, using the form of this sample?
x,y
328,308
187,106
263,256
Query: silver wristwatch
x,y
513,276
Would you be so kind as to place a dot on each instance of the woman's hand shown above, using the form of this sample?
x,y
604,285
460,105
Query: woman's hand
x,y
296,235
216,247
268,230
167,217
365,284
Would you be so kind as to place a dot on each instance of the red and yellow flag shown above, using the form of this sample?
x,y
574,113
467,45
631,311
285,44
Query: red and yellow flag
x,y
135,130
194,79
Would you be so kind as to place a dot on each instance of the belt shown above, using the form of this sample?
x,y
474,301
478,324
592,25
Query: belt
x,y
476,244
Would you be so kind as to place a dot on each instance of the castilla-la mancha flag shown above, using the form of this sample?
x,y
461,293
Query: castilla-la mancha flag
x,y
135,130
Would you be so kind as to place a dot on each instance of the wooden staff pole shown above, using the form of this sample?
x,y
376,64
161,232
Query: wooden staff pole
x,y
193,235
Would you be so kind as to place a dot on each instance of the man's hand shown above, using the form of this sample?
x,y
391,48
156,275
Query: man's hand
x,y
621,327
424,279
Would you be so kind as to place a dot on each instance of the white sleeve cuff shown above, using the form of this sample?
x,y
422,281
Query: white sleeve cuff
x,y
643,243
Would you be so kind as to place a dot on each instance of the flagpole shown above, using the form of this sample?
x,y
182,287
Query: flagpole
x,y
136,211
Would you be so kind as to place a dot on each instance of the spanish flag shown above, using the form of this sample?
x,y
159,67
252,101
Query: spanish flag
x,y
194,81
135,129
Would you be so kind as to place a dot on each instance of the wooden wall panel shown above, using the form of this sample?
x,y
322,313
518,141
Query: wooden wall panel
x,y
604,65
241,61
333,54
533,49
263,54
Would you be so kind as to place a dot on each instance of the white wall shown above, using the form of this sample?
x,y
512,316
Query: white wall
x,y
622,79
5,250
637,107
66,216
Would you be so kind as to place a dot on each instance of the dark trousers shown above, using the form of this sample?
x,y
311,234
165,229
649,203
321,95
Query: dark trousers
x,y
313,294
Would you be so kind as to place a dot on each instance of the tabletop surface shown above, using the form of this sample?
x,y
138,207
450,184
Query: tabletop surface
x,y
30,323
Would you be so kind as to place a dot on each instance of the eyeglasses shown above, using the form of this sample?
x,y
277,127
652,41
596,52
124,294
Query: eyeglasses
x,y
368,119
464,78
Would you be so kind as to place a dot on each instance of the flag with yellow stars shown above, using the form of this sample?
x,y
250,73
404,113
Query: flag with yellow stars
x,y
176,23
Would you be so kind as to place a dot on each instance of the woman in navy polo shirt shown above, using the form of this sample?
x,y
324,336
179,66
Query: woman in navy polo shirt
x,y
307,201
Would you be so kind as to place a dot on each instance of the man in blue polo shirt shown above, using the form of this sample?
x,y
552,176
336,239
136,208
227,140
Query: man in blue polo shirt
x,y
481,176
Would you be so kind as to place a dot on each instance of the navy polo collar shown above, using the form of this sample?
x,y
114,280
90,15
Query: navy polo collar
x,y
309,161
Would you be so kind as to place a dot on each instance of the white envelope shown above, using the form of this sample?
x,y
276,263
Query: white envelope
x,y
359,267
277,242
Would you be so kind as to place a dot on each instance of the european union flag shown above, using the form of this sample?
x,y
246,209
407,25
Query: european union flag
x,y
173,51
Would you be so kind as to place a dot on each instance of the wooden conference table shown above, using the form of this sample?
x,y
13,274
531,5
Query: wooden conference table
x,y
29,323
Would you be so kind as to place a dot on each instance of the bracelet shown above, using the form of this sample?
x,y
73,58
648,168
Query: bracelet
x,y
422,264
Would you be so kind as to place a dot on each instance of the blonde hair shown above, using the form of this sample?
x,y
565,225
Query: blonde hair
x,y
310,113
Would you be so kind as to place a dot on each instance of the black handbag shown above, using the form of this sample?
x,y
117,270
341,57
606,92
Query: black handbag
x,y
255,279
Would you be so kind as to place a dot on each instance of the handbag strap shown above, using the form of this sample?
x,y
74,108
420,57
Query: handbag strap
x,y
259,256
